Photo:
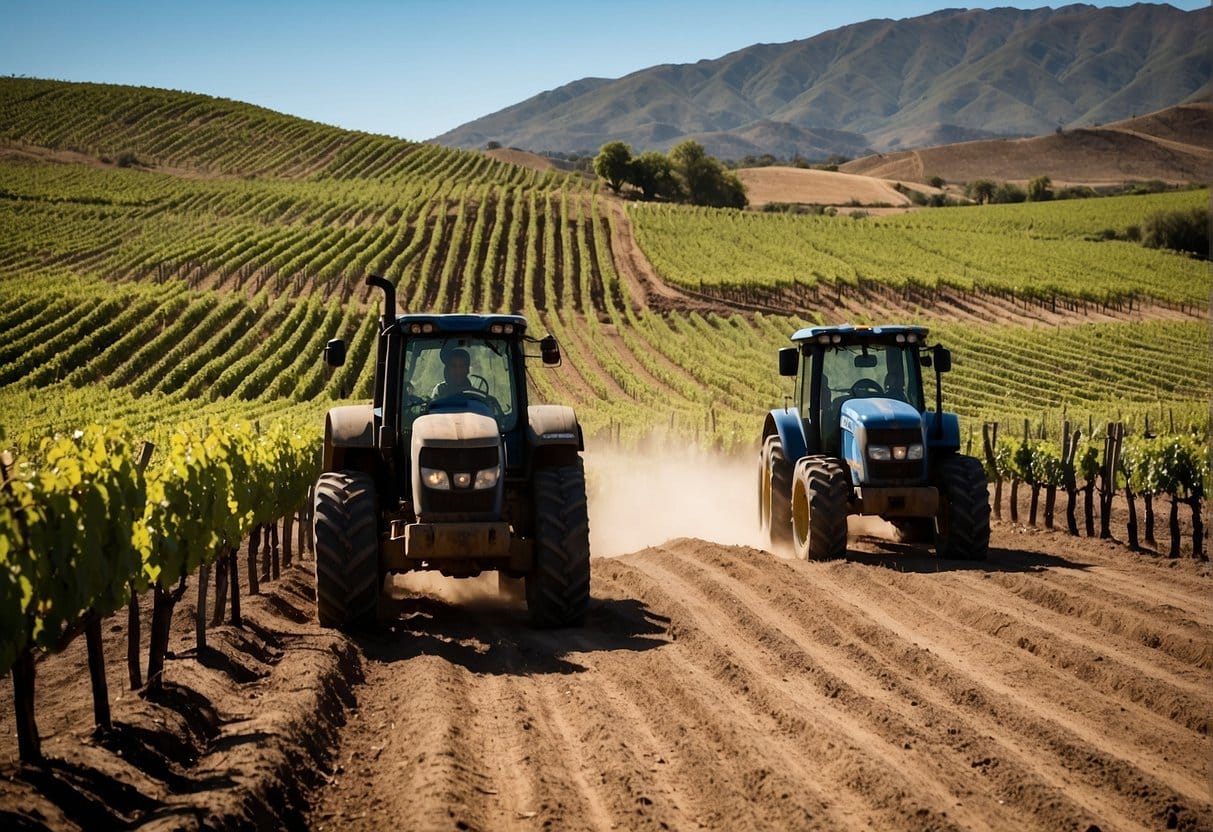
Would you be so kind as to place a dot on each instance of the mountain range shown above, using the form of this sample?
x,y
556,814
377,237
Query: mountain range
x,y
881,85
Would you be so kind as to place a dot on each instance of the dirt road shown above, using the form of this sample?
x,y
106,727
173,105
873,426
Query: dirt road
x,y
1062,685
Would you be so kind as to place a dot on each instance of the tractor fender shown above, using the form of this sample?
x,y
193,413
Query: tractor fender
x,y
553,424
950,438
346,428
786,423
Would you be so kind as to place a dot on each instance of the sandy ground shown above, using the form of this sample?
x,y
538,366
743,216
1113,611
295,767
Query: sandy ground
x,y
1063,684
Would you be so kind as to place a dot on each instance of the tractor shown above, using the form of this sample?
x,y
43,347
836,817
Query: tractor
x,y
860,440
450,469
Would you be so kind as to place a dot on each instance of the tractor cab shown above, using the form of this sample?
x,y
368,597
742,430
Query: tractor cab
x,y
861,440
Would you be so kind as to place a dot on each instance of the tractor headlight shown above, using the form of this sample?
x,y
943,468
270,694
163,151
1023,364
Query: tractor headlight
x,y
898,453
436,479
486,478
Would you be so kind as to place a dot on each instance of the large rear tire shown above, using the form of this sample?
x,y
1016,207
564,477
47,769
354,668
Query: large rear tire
x,y
558,587
774,494
820,489
964,509
345,533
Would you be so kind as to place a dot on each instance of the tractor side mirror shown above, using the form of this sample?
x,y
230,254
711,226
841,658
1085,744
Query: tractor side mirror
x,y
943,359
550,350
334,352
789,361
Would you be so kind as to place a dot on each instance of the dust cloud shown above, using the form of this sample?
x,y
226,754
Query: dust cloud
x,y
644,498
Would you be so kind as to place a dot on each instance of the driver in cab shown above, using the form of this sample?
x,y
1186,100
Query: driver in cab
x,y
457,364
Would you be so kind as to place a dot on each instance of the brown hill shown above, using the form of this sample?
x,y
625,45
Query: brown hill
x,y
1172,145
821,187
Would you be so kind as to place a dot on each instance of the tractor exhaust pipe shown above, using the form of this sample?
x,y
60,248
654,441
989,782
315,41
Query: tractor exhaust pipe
x,y
389,298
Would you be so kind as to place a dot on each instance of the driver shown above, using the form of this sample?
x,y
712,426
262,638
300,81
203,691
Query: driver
x,y
455,372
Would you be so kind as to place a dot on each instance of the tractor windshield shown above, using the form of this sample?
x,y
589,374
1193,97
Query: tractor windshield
x,y
459,373
888,371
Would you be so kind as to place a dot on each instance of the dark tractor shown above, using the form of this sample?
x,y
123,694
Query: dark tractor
x,y
861,440
451,469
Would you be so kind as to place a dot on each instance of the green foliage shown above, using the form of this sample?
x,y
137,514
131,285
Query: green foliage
x,y
1182,230
1040,189
653,174
613,164
1177,465
704,180
81,523
981,190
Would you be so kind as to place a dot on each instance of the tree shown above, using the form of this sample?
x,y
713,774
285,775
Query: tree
x,y
982,190
705,181
1182,230
613,164
653,173
1039,189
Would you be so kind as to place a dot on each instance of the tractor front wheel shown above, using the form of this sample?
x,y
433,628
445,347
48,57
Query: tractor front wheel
x,y
558,587
346,537
964,509
820,488
774,494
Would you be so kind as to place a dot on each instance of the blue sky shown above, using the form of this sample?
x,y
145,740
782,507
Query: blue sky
x,y
409,68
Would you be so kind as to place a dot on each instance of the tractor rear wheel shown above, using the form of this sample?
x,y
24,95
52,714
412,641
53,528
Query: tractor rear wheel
x,y
964,509
774,494
345,532
820,489
558,587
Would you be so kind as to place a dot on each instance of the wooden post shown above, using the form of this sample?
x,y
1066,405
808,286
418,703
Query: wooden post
x,y
272,542
220,587
233,568
1069,448
989,441
254,588
287,530
1112,447
96,671
133,624
204,576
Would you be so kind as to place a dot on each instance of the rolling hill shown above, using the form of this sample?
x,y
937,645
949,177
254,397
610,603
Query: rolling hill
x,y
1172,145
884,85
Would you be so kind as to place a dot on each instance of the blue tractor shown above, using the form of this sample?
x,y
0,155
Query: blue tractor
x,y
861,440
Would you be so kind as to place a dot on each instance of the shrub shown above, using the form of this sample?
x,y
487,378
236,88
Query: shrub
x,y
1184,230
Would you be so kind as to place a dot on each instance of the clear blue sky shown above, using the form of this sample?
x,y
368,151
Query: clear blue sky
x,y
410,68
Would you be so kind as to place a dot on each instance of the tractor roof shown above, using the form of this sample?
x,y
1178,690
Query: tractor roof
x,y
852,334
463,324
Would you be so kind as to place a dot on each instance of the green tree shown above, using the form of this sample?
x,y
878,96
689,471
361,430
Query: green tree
x,y
1039,189
653,173
1179,230
613,164
982,190
705,181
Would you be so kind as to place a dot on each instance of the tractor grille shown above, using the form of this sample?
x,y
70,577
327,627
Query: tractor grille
x,y
454,461
900,471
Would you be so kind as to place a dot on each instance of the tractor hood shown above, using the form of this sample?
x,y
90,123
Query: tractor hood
x,y
886,413
458,467
883,442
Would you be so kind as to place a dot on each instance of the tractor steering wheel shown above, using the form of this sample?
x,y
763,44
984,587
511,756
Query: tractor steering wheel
x,y
866,388
475,394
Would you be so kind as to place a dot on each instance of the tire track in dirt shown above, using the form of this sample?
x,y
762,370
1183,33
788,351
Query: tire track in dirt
x,y
722,687
1037,707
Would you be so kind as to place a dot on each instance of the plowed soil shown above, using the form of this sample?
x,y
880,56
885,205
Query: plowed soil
x,y
1062,684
